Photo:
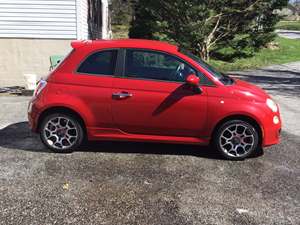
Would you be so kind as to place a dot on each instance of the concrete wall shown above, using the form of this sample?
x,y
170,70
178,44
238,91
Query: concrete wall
x,y
23,56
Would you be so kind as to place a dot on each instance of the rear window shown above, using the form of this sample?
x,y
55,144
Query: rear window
x,y
99,63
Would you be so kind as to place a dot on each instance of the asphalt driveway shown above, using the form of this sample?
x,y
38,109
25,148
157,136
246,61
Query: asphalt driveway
x,y
145,184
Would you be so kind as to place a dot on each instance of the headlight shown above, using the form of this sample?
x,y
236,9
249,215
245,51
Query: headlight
x,y
272,105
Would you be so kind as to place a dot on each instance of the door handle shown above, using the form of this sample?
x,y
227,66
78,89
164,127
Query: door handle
x,y
121,95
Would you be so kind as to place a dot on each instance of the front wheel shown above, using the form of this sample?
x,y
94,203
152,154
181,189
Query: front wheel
x,y
236,139
62,133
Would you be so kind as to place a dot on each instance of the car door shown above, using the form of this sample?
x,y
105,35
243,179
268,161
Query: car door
x,y
152,97
94,77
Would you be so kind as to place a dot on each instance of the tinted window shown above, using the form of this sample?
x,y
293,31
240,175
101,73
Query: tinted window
x,y
204,80
156,65
99,63
220,76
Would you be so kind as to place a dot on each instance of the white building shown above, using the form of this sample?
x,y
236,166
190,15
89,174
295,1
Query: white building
x,y
55,19
33,30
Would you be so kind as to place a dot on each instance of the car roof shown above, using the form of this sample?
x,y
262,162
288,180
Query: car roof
x,y
126,43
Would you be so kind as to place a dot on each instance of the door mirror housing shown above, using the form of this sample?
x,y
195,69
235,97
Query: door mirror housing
x,y
193,80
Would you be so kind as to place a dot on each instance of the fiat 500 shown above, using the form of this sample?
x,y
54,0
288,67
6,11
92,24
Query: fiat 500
x,y
149,91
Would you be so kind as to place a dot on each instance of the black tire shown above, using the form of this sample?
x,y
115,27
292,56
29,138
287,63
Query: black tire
x,y
237,147
74,143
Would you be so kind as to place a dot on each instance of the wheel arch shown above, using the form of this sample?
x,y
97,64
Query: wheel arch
x,y
242,117
61,109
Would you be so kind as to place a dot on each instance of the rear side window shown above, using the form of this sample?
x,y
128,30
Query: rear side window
x,y
99,63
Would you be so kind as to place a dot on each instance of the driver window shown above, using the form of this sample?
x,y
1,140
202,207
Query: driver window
x,y
156,65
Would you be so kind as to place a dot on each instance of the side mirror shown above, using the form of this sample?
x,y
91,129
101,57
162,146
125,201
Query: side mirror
x,y
192,80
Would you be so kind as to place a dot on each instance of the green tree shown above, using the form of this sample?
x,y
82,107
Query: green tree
x,y
121,11
206,26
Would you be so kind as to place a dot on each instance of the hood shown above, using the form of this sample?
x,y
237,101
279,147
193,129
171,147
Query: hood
x,y
245,90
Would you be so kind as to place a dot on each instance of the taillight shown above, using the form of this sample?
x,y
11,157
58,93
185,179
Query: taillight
x,y
40,86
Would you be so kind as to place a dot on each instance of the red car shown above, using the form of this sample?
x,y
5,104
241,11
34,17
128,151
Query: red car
x,y
142,90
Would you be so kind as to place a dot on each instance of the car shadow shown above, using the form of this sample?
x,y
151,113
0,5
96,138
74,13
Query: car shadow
x,y
19,137
175,96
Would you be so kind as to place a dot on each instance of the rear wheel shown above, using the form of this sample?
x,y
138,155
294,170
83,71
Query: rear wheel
x,y
236,139
62,133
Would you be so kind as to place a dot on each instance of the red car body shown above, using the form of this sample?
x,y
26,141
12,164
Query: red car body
x,y
151,110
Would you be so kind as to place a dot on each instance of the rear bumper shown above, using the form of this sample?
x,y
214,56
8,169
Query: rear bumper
x,y
33,114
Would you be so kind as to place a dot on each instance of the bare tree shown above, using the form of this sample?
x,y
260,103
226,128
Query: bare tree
x,y
295,7
99,23
94,19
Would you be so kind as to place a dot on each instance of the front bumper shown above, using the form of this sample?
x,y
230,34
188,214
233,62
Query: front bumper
x,y
271,132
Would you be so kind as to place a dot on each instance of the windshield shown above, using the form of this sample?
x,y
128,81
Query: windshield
x,y
225,79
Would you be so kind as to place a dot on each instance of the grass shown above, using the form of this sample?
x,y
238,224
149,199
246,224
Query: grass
x,y
289,51
120,31
288,25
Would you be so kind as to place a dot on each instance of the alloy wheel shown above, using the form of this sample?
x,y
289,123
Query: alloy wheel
x,y
237,140
60,133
